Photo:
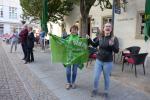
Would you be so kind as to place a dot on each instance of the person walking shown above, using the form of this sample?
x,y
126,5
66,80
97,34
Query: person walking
x,y
30,45
64,33
14,40
23,39
107,45
42,40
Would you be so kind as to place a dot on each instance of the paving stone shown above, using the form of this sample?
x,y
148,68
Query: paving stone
x,y
11,87
24,80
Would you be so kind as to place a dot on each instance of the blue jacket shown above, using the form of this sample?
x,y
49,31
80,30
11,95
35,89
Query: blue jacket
x,y
42,35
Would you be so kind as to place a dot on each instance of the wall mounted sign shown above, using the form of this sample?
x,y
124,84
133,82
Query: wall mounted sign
x,y
94,29
125,19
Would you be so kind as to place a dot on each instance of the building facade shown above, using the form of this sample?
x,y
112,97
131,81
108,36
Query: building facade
x,y
10,11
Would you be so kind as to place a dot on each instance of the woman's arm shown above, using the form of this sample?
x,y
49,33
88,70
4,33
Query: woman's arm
x,y
115,46
94,44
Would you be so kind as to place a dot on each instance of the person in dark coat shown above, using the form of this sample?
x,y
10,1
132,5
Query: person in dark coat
x,y
30,45
23,39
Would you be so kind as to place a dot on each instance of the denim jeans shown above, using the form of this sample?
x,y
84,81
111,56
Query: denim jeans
x,y
71,77
106,67
13,43
24,48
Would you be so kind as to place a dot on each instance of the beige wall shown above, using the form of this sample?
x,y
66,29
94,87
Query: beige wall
x,y
72,18
126,26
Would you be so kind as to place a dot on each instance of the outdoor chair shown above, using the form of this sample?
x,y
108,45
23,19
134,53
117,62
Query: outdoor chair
x,y
91,58
136,59
129,51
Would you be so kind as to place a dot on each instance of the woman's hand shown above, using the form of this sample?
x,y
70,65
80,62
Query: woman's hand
x,y
111,42
87,36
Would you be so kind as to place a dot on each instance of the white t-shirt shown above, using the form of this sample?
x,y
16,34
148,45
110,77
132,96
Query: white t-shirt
x,y
15,37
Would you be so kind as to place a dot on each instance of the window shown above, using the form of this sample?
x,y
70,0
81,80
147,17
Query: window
x,y
1,11
107,20
141,22
12,13
1,28
140,25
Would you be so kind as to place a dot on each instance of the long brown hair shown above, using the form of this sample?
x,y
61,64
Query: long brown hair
x,y
74,27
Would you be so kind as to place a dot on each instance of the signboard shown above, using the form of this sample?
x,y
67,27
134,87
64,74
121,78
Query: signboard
x,y
94,29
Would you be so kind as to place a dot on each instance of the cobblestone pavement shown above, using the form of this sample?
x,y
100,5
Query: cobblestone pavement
x,y
36,89
11,87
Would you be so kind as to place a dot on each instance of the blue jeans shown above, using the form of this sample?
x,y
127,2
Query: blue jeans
x,y
106,67
71,77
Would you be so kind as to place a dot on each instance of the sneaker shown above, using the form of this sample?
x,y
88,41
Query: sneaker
x,y
94,93
68,86
73,86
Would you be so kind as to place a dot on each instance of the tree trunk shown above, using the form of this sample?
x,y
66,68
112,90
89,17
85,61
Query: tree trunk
x,y
84,18
84,26
85,7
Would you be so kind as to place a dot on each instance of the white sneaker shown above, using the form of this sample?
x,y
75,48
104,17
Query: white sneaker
x,y
73,86
68,86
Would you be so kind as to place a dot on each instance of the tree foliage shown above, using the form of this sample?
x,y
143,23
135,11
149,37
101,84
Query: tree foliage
x,y
56,9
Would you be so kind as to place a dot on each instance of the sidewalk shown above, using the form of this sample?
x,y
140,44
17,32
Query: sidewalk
x,y
49,79
11,86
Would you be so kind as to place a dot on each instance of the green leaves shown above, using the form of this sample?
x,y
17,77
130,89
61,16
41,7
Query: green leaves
x,y
56,9
104,4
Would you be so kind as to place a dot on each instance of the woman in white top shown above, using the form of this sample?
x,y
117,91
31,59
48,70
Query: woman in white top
x,y
14,40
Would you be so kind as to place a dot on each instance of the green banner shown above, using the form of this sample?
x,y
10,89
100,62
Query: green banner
x,y
147,20
72,50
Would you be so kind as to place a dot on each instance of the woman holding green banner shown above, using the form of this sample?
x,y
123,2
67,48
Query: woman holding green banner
x,y
71,78
72,51
107,45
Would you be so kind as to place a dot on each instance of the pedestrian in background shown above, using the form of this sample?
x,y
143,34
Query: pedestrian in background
x,y
14,40
107,45
30,45
23,39
42,39
64,33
